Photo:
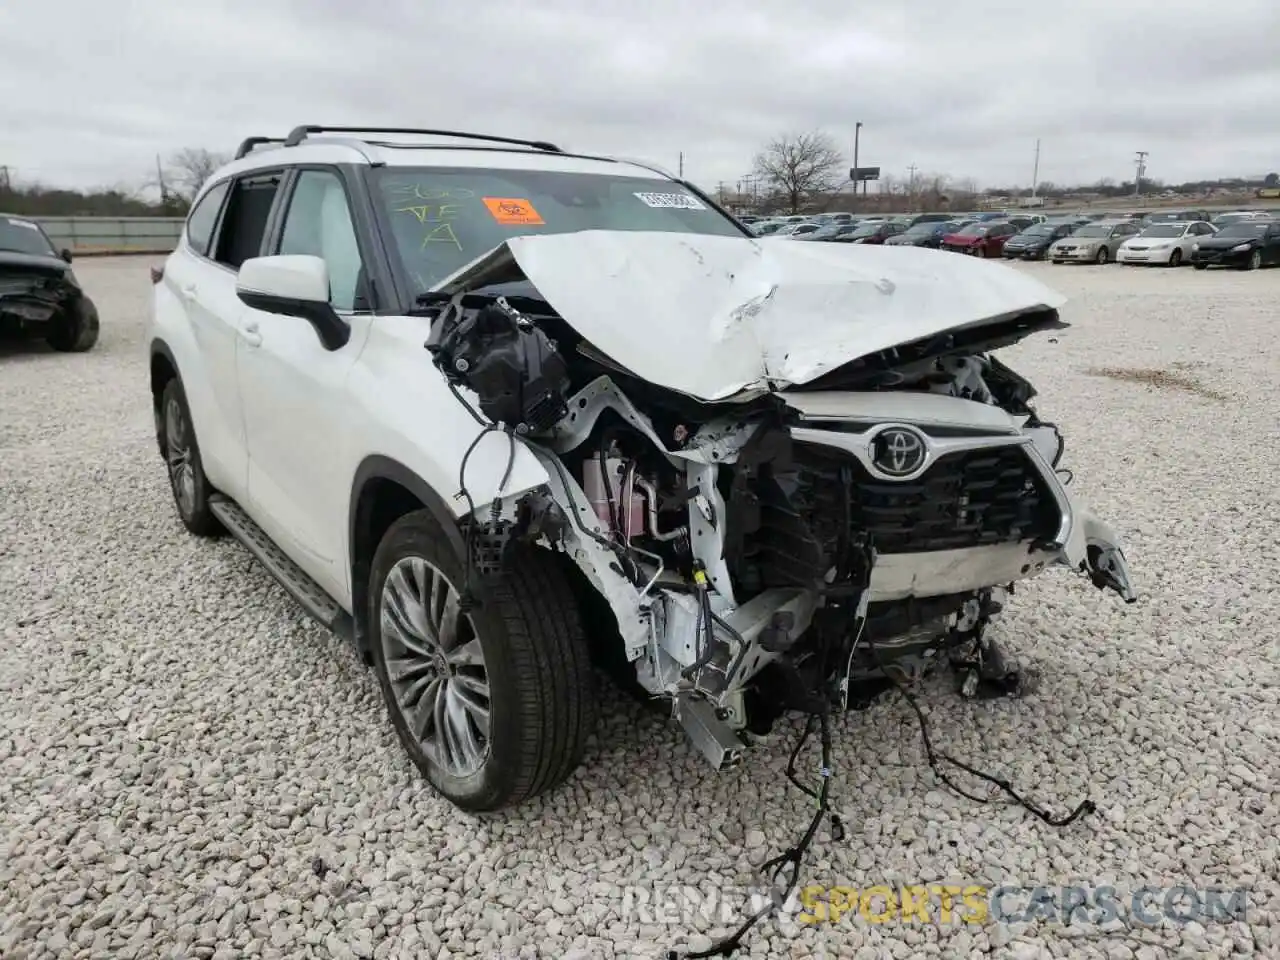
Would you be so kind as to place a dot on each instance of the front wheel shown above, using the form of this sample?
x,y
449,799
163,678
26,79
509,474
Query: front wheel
x,y
493,704
979,251
1255,260
75,329
1175,258
1103,255
191,488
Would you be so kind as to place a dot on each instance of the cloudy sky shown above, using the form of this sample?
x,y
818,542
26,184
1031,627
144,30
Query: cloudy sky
x,y
94,90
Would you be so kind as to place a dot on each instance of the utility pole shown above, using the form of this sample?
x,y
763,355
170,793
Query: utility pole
x,y
1142,169
857,130
911,187
5,182
1035,172
164,191
681,164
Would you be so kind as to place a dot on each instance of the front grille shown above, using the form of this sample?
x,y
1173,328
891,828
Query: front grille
x,y
970,498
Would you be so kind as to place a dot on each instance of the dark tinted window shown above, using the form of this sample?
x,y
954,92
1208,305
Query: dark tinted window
x,y
245,222
203,217
23,236
443,218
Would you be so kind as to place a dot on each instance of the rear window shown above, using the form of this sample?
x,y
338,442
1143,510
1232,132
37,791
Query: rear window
x,y
443,218
23,236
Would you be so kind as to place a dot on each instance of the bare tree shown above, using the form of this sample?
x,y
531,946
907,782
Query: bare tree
x,y
800,166
188,169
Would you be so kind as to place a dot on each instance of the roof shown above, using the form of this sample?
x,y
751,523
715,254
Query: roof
x,y
425,149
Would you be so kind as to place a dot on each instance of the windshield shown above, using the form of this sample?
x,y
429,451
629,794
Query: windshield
x,y
1039,230
973,230
866,230
1243,229
1165,230
443,218
1093,230
924,229
23,236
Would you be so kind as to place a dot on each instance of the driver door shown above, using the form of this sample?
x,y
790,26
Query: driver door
x,y
293,389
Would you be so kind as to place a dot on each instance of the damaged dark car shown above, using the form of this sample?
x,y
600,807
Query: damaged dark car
x,y
39,293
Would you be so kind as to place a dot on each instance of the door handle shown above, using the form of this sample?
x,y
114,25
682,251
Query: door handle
x,y
188,290
249,331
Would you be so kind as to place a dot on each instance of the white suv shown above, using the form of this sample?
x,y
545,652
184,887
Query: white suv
x,y
500,413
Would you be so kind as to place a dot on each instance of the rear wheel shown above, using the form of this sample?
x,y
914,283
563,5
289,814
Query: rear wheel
x,y
75,329
493,704
191,488
1103,255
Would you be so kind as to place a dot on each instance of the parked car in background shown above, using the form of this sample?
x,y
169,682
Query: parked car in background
x,y
1033,243
980,239
1094,242
1177,216
39,293
920,218
1247,244
767,227
830,231
1234,216
926,234
877,232
1167,244
789,230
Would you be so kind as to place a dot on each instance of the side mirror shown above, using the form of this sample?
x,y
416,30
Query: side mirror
x,y
65,254
293,286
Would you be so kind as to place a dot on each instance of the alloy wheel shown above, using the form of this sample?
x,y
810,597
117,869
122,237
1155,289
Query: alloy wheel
x,y
1255,260
436,666
182,474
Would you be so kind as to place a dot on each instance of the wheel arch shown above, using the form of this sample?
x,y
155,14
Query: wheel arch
x,y
163,368
382,491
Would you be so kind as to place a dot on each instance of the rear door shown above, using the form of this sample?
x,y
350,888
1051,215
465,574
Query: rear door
x,y
216,311
294,389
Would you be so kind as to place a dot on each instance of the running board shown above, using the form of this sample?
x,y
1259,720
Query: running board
x,y
309,594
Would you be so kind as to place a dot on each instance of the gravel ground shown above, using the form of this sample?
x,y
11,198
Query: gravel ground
x,y
191,768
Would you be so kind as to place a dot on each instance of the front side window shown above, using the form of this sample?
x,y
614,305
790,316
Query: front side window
x,y
318,223
443,218
24,236
203,217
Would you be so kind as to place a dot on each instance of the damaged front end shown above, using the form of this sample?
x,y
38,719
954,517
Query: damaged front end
x,y
788,533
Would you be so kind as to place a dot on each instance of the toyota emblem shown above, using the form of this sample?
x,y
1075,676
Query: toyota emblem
x,y
898,452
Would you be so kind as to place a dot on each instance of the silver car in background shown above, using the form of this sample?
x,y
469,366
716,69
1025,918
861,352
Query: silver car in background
x,y
1094,242
1168,244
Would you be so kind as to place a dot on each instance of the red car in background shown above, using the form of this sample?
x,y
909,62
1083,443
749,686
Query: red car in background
x,y
981,239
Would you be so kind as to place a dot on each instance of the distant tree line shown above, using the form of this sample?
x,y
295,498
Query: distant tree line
x,y
165,193
806,173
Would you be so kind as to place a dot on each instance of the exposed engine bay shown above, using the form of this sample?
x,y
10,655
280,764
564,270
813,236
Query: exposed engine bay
x,y
778,543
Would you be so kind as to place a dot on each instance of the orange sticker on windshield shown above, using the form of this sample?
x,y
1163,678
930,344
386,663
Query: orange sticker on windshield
x,y
513,211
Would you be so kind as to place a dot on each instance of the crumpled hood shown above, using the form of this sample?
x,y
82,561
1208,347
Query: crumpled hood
x,y
714,316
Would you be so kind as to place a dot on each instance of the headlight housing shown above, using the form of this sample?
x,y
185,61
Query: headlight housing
x,y
1195,247
1240,247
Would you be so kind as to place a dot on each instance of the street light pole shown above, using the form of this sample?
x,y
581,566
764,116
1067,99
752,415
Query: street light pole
x,y
857,130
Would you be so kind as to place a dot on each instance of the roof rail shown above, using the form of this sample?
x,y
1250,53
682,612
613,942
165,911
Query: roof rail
x,y
247,145
298,134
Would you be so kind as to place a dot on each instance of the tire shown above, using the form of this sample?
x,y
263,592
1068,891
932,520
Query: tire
x,y
1201,266
531,689
1103,256
187,481
1254,261
979,251
1057,261
75,330
1175,258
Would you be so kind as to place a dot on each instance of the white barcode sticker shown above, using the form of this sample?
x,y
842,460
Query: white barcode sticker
x,y
671,201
